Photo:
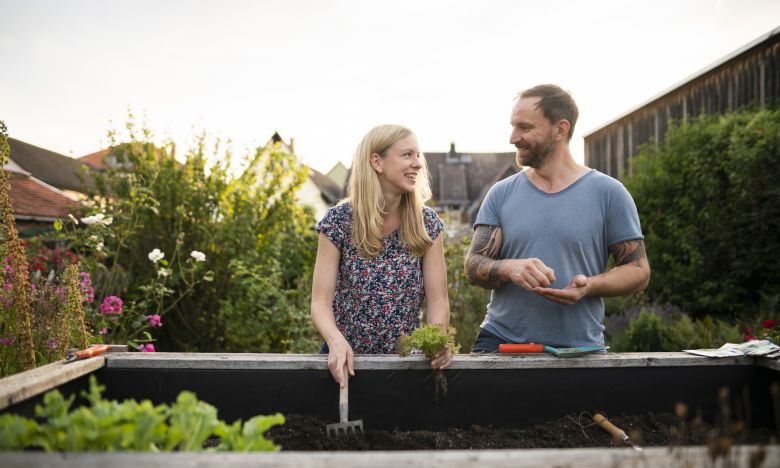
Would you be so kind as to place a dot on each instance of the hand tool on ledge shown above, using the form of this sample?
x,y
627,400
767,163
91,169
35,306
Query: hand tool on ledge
x,y
540,348
92,351
614,431
344,427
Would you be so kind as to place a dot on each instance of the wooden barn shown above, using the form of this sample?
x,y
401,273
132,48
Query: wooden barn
x,y
748,77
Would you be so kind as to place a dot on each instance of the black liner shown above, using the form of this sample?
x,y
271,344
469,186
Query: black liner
x,y
405,399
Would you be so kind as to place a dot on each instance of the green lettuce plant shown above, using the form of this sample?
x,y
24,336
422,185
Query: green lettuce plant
x,y
110,426
429,340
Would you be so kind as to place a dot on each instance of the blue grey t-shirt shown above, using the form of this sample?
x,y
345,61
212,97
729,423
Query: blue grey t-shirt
x,y
570,232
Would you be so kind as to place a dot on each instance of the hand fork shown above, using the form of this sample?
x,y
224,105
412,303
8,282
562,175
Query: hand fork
x,y
344,427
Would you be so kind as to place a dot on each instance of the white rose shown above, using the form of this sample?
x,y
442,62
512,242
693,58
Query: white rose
x,y
155,255
198,256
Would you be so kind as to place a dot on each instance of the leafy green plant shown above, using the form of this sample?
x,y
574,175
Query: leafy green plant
x,y
107,425
710,210
429,340
468,303
657,329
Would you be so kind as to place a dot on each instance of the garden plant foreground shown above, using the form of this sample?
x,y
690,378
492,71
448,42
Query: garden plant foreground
x,y
192,264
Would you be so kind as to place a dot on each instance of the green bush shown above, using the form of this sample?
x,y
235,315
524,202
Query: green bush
x,y
650,331
219,231
468,303
710,208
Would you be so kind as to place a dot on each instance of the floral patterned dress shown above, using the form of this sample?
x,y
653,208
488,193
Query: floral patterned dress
x,y
376,299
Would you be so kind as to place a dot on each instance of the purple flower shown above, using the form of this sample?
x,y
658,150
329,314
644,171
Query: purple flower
x,y
52,343
146,348
154,320
8,286
111,305
7,340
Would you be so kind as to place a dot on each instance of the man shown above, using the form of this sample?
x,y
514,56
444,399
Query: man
x,y
543,236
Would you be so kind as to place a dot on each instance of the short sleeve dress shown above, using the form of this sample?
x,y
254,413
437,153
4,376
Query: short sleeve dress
x,y
376,299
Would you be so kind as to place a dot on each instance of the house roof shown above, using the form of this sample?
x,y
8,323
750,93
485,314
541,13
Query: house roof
x,y
95,160
33,199
331,192
458,178
53,168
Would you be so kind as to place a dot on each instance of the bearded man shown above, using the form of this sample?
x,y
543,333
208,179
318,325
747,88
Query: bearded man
x,y
543,237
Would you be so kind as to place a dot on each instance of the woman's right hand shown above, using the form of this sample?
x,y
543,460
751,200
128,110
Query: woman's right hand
x,y
339,353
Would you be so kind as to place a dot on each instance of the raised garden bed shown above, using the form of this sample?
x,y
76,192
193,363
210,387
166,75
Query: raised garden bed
x,y
490,397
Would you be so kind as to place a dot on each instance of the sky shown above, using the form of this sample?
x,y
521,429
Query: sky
x,y
325,72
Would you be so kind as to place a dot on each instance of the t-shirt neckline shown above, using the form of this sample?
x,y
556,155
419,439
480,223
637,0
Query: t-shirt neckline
x,y
560,192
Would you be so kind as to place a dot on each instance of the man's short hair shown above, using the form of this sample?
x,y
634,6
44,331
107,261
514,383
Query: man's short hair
x,y
555,103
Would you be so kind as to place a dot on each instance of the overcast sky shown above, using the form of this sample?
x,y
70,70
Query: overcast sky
x,y
325,72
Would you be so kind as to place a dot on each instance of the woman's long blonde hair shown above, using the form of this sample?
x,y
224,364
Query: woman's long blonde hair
x,y
368,203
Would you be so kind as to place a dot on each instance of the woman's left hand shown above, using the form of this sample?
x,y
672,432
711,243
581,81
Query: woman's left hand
x,y
442,360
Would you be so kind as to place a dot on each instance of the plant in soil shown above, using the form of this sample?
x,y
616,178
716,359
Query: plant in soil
x,y
107,425
429,340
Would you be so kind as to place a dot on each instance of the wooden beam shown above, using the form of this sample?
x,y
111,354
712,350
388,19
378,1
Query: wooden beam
x,y
19,387
693,457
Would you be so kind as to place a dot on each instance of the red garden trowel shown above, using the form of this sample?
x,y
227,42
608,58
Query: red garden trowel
x,y
344,427
539,348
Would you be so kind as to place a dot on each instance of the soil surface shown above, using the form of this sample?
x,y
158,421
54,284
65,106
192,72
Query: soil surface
x,y
664,429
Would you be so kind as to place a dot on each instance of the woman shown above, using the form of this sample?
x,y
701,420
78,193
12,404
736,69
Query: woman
x,y
380,253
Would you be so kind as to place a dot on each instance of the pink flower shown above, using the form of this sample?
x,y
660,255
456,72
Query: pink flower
x,y
769,323
86,287
154,320
8,286
749,338
111,305
146,348
103,331
52,343
7,340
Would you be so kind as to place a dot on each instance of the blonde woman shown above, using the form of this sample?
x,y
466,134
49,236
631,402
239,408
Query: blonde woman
x,y
380,253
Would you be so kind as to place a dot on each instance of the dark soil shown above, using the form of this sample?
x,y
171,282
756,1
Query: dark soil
x,y
308,433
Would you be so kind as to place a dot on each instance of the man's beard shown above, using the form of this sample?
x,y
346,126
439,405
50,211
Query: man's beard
x,y
537,154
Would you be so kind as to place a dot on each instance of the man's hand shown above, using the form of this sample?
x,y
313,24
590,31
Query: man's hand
x,y
528,273
576,290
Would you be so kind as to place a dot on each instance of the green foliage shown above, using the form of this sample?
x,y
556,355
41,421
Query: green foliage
x,y
112,426
248,225
651,332
710,208
468,303
428,339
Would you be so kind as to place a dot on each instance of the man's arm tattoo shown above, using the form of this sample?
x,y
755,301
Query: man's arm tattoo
x,y
628,252
482,264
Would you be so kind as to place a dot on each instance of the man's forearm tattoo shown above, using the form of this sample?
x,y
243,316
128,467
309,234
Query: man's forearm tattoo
x,y
482,264
628,252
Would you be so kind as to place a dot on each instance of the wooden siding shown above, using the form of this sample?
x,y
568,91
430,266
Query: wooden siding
x,y
751,77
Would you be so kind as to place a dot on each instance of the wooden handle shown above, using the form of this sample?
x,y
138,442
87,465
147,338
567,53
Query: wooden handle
x,y
344,398
520,348
92,351
609,427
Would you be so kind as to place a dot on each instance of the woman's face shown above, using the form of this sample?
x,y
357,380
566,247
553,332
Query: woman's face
x,y
398,170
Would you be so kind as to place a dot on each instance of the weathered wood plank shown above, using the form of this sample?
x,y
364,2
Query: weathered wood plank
x,y
19,387
693,457
380,362
773,364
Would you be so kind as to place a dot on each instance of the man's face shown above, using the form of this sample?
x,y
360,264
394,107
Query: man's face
x,y
532,133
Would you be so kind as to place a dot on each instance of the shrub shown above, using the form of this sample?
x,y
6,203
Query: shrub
x,y
468,303
179,243
710,209
665,328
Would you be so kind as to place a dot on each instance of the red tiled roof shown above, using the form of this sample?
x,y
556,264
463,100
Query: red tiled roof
x,y
31,198
95,160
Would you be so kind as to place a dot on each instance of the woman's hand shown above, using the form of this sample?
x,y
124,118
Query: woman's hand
x,y
339,353
442,360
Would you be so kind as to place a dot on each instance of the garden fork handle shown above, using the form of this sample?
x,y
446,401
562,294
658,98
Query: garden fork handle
x,y
344,398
